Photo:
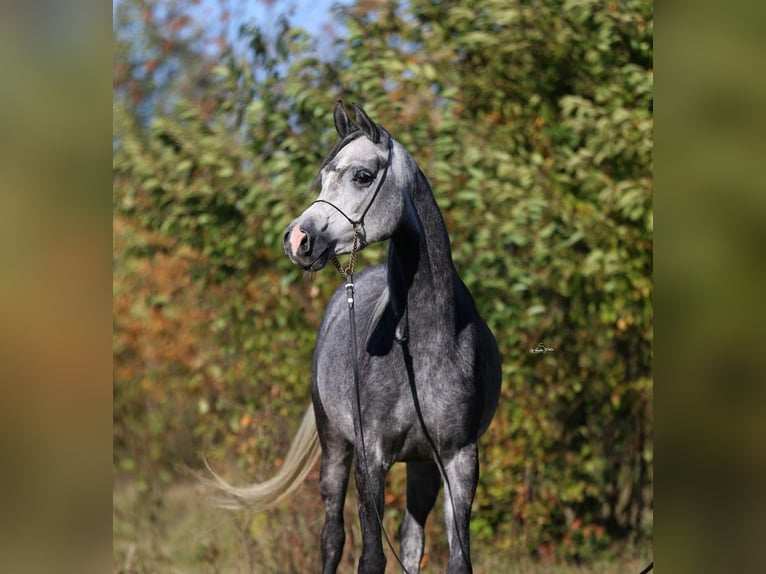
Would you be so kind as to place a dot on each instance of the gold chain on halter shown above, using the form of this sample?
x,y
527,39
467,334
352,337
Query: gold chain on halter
x,y
349,270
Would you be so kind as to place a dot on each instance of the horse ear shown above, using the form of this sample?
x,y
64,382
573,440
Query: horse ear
x,y
343,123
370,129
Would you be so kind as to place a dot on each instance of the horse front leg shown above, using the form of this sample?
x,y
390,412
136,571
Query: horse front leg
x,y
334,471
462,472
423,483
370,484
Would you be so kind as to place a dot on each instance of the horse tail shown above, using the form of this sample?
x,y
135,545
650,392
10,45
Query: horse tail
x,y
300,459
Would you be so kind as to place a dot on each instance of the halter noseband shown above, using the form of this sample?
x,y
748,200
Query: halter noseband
x,y
356,224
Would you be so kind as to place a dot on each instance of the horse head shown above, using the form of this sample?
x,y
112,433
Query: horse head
x,y
361,199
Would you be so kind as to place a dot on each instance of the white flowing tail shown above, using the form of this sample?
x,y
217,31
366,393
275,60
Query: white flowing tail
x,y
300,459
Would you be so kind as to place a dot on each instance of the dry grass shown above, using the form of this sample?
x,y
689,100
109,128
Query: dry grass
x,y
178,530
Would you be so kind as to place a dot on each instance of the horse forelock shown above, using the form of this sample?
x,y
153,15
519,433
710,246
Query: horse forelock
x,y
334,152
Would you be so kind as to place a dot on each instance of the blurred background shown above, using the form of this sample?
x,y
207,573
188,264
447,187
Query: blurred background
x,y
58,365
532,119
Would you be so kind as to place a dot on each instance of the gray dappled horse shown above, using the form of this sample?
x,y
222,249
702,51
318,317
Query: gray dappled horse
x,y
429,367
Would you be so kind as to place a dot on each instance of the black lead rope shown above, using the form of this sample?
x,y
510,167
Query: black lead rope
x,y
348,274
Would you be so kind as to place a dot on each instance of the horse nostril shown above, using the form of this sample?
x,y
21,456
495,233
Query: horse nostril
x,y
300,242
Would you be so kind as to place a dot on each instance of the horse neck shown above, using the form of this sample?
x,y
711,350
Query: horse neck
x,y
420,268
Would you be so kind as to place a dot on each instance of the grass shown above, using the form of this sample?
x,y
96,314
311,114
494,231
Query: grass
x,y
176,529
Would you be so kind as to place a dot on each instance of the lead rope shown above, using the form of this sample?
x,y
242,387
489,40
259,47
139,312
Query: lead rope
x,y
348,275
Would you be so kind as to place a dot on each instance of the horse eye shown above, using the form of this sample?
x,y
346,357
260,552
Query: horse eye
x,y
363,177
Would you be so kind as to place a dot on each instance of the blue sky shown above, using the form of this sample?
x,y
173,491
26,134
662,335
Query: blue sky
x,y
312,15
309,14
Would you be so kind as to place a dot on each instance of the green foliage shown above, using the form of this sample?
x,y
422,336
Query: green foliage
x,y
533,122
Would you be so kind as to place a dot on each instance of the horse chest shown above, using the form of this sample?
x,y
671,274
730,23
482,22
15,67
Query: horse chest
x,y
398,395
